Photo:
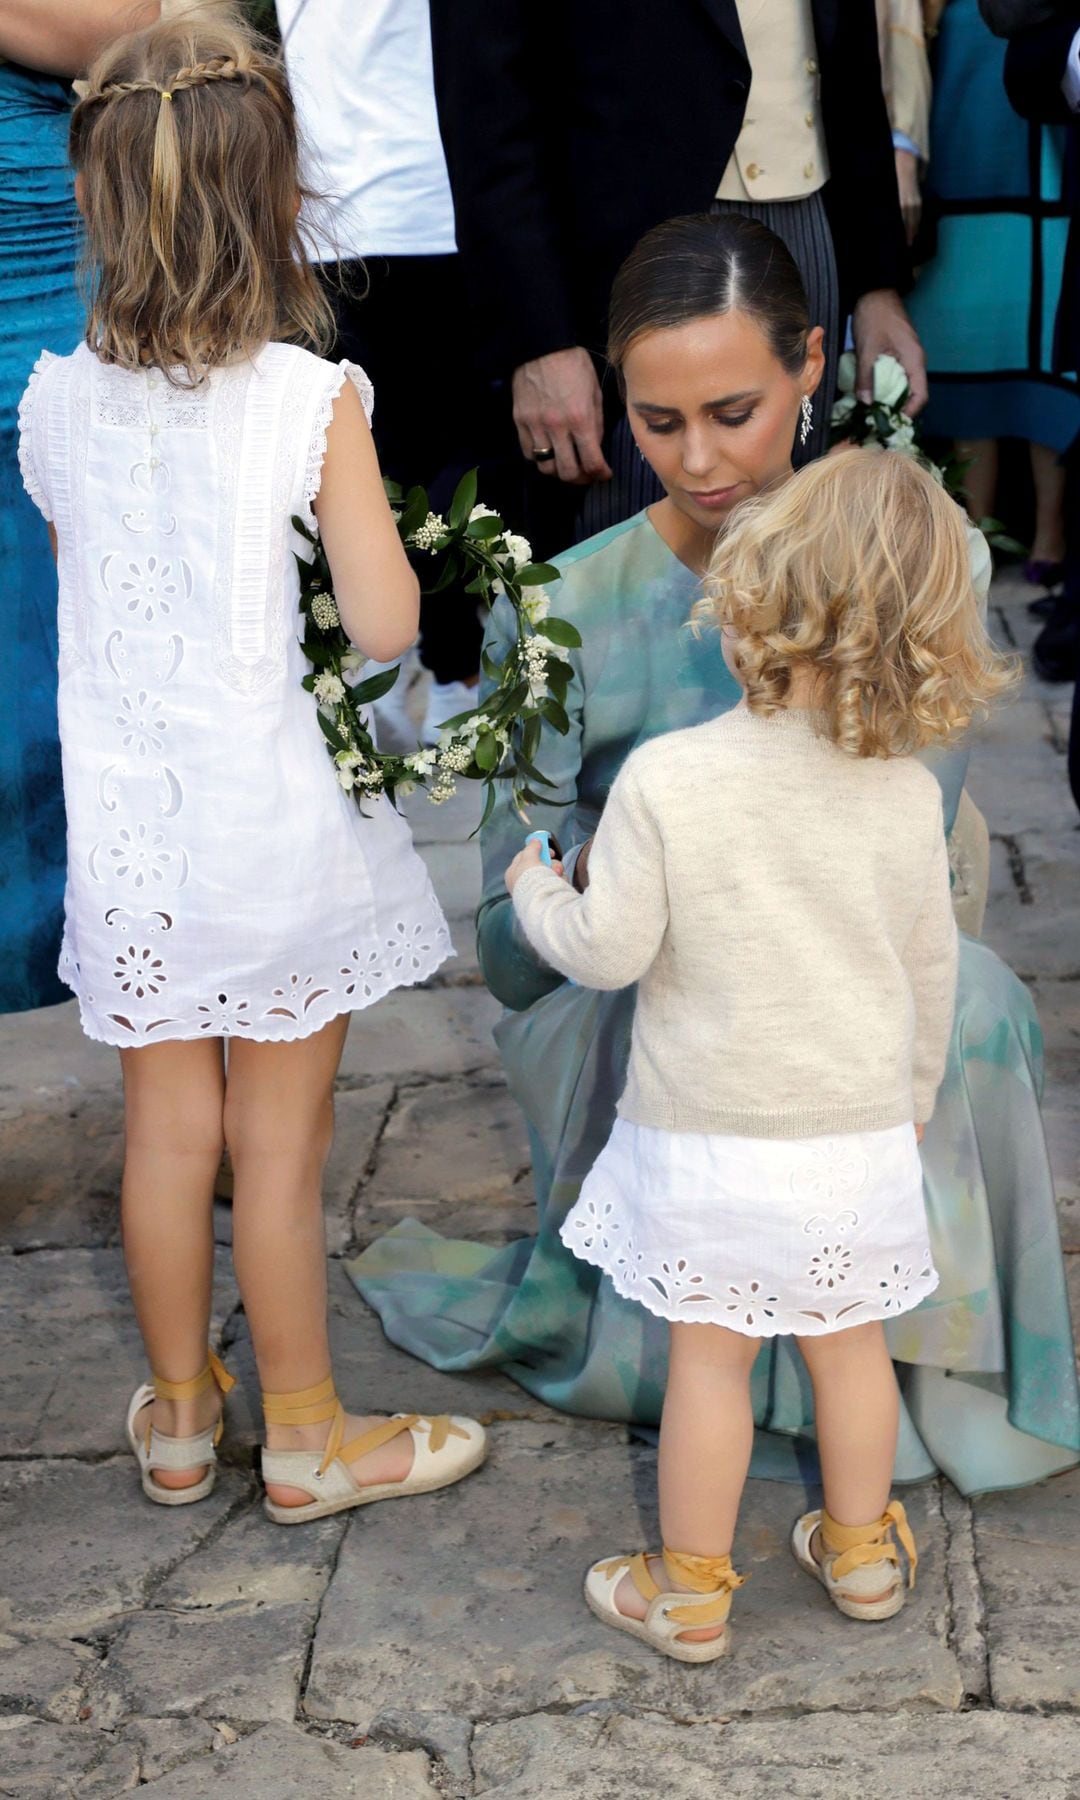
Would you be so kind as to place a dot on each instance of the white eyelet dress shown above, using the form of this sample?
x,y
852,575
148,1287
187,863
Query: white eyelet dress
x,y
763,1235
220,883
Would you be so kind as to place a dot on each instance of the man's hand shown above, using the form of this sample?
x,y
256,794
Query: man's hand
x,y
907,180
557,406
882,328
529,858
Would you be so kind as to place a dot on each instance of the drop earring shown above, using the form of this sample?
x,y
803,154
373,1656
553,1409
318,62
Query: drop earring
x,y
806,418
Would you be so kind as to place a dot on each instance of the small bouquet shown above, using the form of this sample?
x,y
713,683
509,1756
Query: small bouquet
x,y
495,741
882,420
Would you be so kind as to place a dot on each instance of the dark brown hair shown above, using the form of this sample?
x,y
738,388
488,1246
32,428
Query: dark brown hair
x,y
702,264
186,141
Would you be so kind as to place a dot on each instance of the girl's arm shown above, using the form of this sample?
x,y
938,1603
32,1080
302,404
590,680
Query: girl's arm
x,y
377,593
608,936
62,37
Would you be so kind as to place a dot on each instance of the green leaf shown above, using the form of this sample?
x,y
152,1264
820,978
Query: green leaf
x,y
392,490
375,686
463,502
489,808
487,527
486,754
415,511
490,667
561,632
532,771
304,530
447,574
536,574
461,718
555,715
331,733
530,734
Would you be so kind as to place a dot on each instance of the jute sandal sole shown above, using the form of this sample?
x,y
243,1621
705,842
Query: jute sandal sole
x,y
711,1651
153,1450
387,1490
868,1612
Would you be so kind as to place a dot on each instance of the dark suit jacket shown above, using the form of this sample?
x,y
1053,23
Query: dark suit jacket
x,y
572,126
1034,67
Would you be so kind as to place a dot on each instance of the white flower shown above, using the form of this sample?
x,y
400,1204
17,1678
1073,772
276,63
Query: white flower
x,y
890,382
352,659
514,550
405,788
427,535
843,409
497,588
536,604
454,758
422,763
325,612
902,439
330,688
845,373
544,647
345,776
482,512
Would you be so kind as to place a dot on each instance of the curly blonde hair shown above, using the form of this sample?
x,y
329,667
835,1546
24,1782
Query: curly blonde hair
x,y
857,571
186,141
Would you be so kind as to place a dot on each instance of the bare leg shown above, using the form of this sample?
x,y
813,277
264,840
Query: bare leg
x,y
1048,476
173,1097
278,1124
706,1437
857,1409
981,475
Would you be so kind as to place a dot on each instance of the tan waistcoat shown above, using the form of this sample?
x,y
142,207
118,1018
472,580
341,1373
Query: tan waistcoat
x,y
780,152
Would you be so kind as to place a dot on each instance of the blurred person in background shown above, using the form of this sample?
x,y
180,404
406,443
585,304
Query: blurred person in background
x,y
43,45
570,130
984,302
905,81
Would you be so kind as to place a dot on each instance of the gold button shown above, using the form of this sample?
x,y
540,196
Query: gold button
x,y
752,171
809,118
811,66
808,170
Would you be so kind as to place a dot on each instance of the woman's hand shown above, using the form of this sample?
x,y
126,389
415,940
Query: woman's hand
x,y
529,858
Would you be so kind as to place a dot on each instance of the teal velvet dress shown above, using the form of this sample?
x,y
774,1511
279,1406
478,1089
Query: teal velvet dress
x,y
39,307
985,1364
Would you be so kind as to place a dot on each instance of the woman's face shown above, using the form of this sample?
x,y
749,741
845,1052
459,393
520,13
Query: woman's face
x,y
714,412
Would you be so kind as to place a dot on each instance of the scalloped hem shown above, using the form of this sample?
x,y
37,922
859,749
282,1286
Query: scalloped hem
x,y
703,1312
290,1033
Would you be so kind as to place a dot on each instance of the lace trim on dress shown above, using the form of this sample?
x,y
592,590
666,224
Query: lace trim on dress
x,y
316,455
29,430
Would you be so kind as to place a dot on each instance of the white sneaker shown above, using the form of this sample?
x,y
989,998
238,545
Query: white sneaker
x,y
395,731
445,700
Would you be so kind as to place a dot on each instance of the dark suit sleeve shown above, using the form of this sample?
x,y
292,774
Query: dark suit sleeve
x,y
499,118
1035,68
861,196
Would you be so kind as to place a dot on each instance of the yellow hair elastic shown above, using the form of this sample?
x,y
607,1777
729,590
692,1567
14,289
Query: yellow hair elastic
x,y
165,94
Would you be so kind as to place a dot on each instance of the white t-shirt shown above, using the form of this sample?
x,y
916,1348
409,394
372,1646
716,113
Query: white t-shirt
x,y
365,96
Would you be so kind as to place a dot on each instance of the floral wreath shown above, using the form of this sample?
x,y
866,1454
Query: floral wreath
x,y
495,741
882,420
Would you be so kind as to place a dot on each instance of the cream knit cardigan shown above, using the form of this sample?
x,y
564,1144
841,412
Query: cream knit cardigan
x,y
785,909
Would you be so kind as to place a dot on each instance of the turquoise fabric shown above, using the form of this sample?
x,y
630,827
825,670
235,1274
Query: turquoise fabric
x,y
39,309
986,1363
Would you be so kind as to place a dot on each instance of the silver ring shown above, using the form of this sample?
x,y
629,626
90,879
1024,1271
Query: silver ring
x,y
544,454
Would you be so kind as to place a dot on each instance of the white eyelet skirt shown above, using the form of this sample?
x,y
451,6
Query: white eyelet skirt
x,y
763,1235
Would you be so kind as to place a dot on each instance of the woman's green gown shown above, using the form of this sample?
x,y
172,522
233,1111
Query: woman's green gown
x,y
986,1363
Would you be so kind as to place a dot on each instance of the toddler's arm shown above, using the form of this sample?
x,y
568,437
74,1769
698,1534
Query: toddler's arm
x,y
608,936
931,963
377,594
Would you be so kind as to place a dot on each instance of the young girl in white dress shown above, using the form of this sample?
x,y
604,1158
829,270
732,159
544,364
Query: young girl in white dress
x,y
776,881
228,907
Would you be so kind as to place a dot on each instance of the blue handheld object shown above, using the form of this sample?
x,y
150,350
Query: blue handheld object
x,y
548,850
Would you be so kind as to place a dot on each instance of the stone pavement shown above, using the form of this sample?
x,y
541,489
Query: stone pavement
x,y
442,1648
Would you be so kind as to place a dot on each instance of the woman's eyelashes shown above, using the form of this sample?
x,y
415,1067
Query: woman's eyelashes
x,y
665,427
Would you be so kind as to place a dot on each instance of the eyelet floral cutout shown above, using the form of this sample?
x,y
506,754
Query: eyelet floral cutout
x,y
596,1225
148,590
224,1017
834,1170
366,975
141,723
409,946
139,971
752,1304
140,856
830,1266
295,997
896,1286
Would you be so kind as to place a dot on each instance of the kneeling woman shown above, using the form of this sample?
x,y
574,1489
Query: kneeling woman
x,y
712,341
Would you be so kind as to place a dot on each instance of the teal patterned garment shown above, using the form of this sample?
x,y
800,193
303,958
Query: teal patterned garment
x,y
985,1364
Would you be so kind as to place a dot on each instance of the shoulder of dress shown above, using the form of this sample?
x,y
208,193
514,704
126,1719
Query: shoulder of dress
x,y
590,571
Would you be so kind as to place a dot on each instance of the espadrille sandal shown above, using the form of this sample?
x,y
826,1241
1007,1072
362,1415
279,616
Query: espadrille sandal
x,y
445,1450
860,1565
153,1450
670,1613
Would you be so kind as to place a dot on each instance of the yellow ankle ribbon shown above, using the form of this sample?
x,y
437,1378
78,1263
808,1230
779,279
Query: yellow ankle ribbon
x,y
215,1374
857,1546
702,1574
311,1406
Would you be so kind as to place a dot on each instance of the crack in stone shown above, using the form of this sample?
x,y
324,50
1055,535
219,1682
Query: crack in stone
x,y
300,1717
966,1628
353,1246
1017,870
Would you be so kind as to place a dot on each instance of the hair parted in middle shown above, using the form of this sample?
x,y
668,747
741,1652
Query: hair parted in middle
x,y
186,142
858,570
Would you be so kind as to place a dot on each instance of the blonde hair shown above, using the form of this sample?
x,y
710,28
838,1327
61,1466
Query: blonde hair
x,y
186,141
858,571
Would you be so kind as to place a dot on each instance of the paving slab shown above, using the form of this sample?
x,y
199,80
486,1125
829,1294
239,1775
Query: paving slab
x,y
67,1328
1015,772
502,1564
45,1056
82,1544
166,1744
1036,929
456,1156
830,1756
373,1375
61,1172
63,1762
1028,1548
46,1677
423,1033
242,1662
253,1564
280,1763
